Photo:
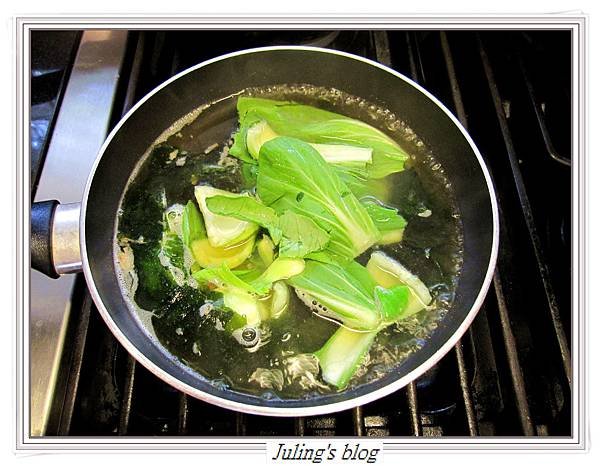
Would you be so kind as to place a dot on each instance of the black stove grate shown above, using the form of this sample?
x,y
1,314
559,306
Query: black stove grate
x,y
511,373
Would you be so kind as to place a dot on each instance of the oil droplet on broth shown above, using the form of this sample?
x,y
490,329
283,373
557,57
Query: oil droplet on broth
x,y
431,248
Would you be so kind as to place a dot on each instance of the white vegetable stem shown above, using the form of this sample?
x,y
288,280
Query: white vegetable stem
x,y
388,272
338,154
342,354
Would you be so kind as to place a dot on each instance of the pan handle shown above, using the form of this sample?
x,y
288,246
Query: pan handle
x,y
55,238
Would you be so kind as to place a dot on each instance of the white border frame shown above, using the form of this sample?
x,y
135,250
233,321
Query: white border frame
x,y
575,22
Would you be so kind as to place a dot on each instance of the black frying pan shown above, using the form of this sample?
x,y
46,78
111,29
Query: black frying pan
x,y
53,252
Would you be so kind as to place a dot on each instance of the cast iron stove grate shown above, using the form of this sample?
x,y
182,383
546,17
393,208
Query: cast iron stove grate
x,y
511,373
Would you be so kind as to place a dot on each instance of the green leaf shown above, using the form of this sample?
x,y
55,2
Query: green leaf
x,y
238,295
249,172
222,231
296,235
387,220
243,208
362,186
293,176
389,273
192,225
301,235
239,148
280,269
392,302
248,274
247,299
344,293
318,126
222,278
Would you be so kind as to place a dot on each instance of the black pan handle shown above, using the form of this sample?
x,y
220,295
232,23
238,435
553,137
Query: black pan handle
x,y
55,238
42,218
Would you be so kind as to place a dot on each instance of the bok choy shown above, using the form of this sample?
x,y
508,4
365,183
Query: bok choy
x,y
250,299
387,220
317,126
297,235
351,296
335,154
292,176
342,355
389,272
222,231
204,253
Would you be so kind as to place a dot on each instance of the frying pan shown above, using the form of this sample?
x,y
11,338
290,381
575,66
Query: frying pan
x,y
70,238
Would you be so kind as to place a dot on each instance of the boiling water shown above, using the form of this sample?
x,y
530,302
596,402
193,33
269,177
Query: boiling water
x,y
195,151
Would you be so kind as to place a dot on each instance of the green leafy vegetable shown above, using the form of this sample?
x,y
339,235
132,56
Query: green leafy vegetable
x,y
349,294
387,220
280,299
204,253
392,302
221,230
363,186
244,304
280,269
296,235
350,162
293,176
247,299
222,278
342,354
238,295
320,187
336,154
208,256
318,126
192,225
266,250
344,293
257,135
388,273
242,208
301,236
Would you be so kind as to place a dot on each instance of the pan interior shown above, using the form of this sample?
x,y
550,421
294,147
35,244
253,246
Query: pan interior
x,y
453,153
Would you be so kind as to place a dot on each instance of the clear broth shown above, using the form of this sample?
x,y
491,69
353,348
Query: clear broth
x,y
194,151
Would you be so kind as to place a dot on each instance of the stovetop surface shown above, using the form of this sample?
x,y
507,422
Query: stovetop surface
x,y
52,54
